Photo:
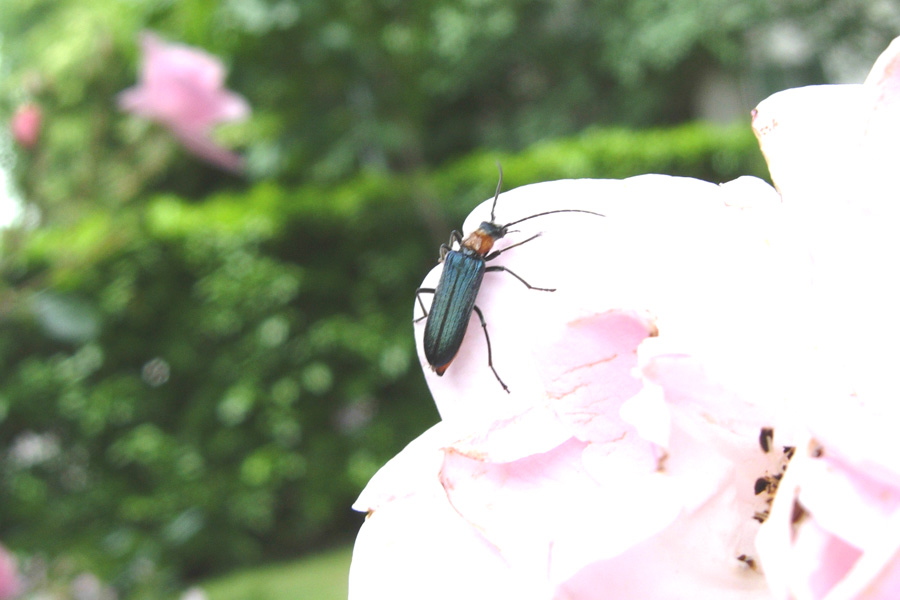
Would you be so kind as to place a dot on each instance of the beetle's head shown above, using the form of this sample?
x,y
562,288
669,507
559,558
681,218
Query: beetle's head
x,y
492,229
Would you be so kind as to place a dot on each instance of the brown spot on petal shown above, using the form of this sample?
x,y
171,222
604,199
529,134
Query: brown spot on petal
x,y
661,462
763,129
798,513
816,450
765,438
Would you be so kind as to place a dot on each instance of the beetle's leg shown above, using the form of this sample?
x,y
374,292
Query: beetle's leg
x,y
419,293
455,236
488,340
528,285
497,253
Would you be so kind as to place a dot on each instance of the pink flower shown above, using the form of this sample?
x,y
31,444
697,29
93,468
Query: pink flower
x,y
26,125
10,584
182,88
834,530
704,409
614,457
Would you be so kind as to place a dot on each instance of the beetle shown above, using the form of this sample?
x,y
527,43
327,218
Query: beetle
x,y
460,281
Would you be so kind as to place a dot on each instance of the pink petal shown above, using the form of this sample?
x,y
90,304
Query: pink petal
x,y
829,558
713,449
164,61
692,393
658,568
548,514
881,142
419,547
848,502
182,88
417,466
835,144
846,544
588,371
885,76
832,152
808,136
876,575
211,152
413,543
534,431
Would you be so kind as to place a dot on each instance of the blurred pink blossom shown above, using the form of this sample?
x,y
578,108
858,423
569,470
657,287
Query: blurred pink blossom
x,y
10,584
183,89
26,125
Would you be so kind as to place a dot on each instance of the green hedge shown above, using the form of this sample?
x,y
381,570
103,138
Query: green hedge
x,y
189,386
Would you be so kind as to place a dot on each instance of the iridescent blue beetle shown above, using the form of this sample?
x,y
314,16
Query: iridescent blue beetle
x,y
455,294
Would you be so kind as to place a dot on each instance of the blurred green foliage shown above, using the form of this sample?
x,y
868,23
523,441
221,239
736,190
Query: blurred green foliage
x,y
340,86
321,576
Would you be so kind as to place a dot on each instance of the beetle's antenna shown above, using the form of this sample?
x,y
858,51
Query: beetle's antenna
x,y
564,210
497,193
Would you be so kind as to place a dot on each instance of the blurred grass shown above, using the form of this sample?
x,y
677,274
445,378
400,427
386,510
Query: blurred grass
x,y
318,577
